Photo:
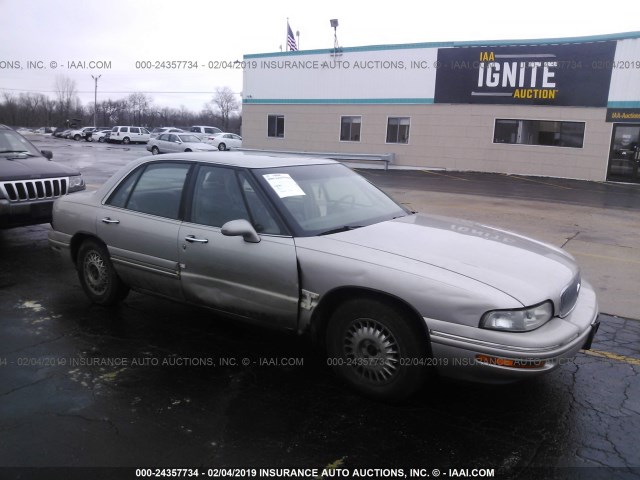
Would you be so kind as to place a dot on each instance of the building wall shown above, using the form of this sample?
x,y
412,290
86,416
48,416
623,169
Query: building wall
x,y
453,137
452,104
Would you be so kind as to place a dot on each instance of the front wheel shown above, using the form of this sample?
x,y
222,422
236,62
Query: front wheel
x,y
102,139
222,147
155,150
98,278
376,347
77,137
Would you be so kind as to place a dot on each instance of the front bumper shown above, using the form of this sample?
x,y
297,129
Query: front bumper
x,y
20,214
496,357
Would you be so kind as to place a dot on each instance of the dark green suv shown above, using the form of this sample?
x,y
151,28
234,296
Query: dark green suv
x,y
29,181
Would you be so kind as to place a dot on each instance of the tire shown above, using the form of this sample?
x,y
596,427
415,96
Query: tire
x,y
98,278
377,348
126,140
155,150
101,140
188,150
77,137
222,147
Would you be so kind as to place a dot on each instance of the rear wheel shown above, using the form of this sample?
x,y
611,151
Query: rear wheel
x,y
102,139
126,140
222,147
77,137
98,278
377,348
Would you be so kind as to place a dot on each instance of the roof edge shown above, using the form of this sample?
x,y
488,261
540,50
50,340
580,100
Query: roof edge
x,y
472,43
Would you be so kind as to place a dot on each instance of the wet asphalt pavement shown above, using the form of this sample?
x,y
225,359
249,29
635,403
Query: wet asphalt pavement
x,y
155,384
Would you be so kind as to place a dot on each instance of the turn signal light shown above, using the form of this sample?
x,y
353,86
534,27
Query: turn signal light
x,y
508,362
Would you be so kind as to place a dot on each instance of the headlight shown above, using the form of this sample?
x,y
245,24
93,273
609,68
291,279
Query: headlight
x,y
521,320
76,183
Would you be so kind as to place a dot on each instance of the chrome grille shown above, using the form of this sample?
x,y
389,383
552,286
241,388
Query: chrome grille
x,y
570,297
41,189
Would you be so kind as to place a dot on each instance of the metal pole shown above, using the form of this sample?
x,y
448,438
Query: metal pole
x,y
95,102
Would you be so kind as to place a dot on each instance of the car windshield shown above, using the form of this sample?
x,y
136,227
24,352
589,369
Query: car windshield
x,y
12,142
325,199
189,138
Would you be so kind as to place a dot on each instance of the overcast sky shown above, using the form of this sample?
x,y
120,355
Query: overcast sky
x,y
125,31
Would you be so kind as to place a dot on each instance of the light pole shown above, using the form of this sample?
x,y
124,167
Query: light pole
x,y
95,102
334,25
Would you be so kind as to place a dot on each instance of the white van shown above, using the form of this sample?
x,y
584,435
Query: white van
x,y
203,131
128,135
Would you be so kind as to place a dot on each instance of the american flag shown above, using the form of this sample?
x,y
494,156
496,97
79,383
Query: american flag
x,y
291,41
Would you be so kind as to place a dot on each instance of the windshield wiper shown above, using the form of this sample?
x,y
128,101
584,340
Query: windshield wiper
x,y
17,151
344,228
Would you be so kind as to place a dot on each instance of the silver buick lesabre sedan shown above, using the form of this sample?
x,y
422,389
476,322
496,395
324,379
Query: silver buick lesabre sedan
x,y
309,245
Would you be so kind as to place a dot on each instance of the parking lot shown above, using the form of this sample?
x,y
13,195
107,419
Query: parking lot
x,y
155,384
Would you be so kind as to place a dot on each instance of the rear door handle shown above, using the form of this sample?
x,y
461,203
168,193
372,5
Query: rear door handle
x,y
109,220
194,239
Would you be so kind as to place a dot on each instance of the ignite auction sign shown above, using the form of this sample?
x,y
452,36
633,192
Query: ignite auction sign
x,y
563,75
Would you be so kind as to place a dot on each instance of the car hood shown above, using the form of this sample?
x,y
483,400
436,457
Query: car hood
x,y
523,268
32,168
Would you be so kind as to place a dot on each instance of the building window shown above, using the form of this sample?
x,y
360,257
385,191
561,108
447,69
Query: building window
x,y
275,126
398,129
350,129
539,132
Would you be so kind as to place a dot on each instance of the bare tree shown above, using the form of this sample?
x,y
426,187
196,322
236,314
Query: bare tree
x,y
10,108
66,94
139,104
226,103
112,111
36,109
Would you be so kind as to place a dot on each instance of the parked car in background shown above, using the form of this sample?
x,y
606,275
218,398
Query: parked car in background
x,y
225,141
160,130
81,133
29,181
204,131
178,142
89,136
58,131
100,135
62,133
127,135
309,246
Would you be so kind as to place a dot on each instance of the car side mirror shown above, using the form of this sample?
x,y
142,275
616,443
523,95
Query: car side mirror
x,y
236,228
48,154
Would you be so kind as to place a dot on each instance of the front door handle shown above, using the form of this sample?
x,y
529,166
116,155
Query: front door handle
x,y
194,239
109,220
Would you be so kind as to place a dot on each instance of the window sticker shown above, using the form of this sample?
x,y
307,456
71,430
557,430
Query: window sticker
x,y
283,185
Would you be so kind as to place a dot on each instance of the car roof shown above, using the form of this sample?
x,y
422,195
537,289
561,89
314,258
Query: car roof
x,y
252,160
243,159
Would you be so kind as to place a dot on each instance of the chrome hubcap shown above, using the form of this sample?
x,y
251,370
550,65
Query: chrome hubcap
x,y
95,273
371,350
